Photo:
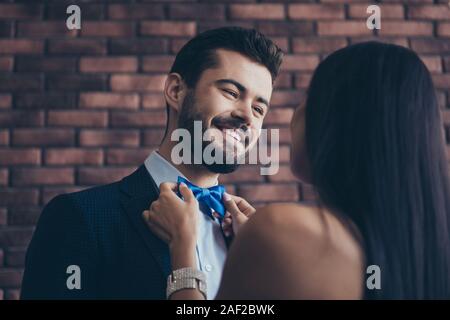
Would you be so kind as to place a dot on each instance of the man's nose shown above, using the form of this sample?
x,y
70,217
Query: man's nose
x,y
244,112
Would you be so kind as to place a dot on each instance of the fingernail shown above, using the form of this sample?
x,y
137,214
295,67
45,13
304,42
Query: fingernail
x,y
226,196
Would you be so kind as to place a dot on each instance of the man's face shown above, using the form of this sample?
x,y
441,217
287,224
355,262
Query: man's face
x,y
231,100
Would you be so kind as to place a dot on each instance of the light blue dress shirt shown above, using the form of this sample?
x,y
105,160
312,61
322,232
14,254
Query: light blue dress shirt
x,y
211,246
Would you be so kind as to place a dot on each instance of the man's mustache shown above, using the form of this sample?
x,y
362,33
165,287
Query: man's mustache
x,y
232,123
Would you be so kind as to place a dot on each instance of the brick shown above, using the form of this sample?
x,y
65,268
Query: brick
x,y
4,137
96,138
77,46
284,154
73,156
6,63
3,222
4,176
317,45
302,80
344,28
443,29
20,82
21,46
138,46
431,45
177,43
16,119
388,11
273,192
15,237
204,25
95,176
284,135
5,101
278,117
127,156
441,81
286,98
107,29
6,29
429,12
20,11
257,11
316,11
10,278
153,137
244,174
283,28
284,174
138,82
45,29
281,42
47,100
18,196
140,119
15,257
447,63
433,63
308,192
48,193
78,118
168,28
197,11
23,215
43,137
42,176
299,62
88,11
109,100
12,294
400,41
44,64
76,82
153,101
135,11
19,156
283,81
157,63
406,28
109,64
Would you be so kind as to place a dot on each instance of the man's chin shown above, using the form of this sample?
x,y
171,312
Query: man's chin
x,y
222,168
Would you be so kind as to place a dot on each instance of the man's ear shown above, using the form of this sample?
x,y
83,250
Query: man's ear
x,y
174,91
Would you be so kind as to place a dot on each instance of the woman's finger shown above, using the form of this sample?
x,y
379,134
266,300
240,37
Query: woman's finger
x,y
156,228
187,194
230,205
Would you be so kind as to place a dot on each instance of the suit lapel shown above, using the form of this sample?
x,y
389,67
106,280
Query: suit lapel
x,y
138,192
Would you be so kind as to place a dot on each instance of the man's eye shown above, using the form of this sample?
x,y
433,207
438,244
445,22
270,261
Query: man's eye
x,y
259,110
231,93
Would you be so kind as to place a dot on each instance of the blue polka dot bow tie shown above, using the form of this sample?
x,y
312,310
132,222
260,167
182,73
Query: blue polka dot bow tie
x,y
211,197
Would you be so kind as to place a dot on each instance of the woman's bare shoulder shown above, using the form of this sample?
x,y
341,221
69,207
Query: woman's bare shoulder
x,y
308,252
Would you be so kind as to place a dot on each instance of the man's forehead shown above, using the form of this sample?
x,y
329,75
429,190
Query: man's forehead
x,y
233,65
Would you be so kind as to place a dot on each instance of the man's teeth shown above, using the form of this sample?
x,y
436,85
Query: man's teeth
x,y
233,134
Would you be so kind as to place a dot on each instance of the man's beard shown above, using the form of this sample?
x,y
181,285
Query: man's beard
x,y
188,115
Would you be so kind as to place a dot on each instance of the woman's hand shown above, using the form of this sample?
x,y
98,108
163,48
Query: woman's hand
x,y
172,219
238,212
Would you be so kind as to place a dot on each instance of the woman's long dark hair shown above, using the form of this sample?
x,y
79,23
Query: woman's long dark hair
x,y
375,143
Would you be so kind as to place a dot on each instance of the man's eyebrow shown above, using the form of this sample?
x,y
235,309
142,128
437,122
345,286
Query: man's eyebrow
x,y
241,88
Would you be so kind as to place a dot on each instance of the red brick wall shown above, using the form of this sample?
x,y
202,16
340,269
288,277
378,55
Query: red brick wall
x,y
80,108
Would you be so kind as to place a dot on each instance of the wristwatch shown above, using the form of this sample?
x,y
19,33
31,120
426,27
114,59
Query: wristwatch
x,y
186,278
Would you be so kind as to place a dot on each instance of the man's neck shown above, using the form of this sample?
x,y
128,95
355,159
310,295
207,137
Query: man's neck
x,y
196,174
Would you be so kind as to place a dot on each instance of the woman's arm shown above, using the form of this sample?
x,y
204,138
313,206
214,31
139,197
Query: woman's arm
x,y
288,251
174,221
